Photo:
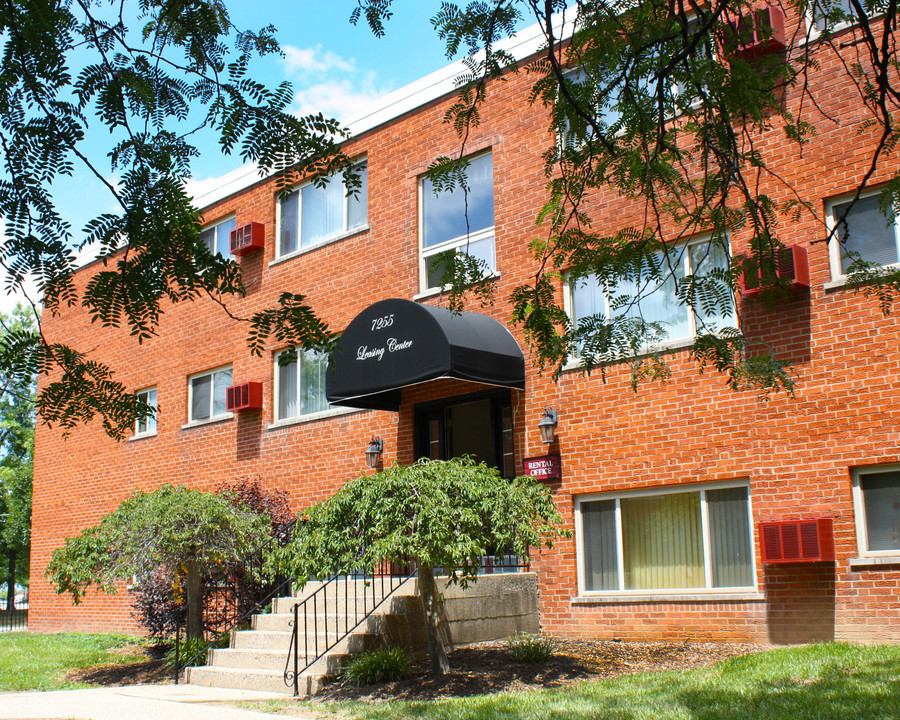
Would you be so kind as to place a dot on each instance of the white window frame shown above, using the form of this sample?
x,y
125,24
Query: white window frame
x,y
814,33
458,242
580,550
569,304
859,512
276,397
190,407
152,420
345,232
834,246
214,226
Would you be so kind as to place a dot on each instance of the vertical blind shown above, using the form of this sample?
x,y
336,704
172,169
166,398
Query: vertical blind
x,y
662,541
881,498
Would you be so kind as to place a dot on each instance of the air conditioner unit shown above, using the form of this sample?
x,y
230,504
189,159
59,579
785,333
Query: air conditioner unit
x,y
791,267
756,33
246,396
247,238
797,541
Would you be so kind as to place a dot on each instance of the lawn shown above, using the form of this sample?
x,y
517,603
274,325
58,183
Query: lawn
x,y
30,661
833,681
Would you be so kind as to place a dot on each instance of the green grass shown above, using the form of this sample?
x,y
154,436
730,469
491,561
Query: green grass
x,y
30,661
833,681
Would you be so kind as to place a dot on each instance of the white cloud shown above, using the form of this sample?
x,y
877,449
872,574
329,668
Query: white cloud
x,y
342,99
314,59
206,191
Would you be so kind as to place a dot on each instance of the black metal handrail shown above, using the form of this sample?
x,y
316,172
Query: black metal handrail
x,y
224,603
361,594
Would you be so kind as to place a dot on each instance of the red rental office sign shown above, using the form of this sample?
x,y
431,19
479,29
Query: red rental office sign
x,y
545,467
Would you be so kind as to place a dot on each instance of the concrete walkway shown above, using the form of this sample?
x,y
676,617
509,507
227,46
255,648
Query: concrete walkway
x,y
135,702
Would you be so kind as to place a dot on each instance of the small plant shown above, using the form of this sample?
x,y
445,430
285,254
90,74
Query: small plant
x,y
375,666
531,648
192,651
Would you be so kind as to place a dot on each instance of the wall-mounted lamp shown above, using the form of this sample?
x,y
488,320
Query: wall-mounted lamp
x,y
547,425
373,452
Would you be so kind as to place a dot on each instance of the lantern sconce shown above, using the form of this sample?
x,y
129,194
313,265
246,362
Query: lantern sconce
x,y
373,452
547,425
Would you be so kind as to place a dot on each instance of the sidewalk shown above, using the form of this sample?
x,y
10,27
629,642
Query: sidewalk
x,y
135,702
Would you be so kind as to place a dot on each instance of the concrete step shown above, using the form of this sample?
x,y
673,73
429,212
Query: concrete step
x,y
283,622
280,642
271,660
261,640
335,598
260,680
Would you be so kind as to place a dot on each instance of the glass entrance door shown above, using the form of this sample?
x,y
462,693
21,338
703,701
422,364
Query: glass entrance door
x,y
477,425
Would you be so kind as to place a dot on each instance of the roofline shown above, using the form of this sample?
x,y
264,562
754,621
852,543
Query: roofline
x,y
523,44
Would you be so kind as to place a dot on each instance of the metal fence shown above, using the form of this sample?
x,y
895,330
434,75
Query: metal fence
x,y
15,617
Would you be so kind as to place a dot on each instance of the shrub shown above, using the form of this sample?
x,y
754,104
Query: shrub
x,y
156,606
531,648
375,666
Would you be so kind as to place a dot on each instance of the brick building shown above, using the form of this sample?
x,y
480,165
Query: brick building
x,y
716,464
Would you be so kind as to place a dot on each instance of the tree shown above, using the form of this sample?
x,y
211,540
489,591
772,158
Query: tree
x,y
658,104
231,588
652,101
75,71
445,515
174,528
16,465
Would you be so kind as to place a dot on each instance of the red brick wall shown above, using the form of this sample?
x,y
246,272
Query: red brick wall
x,y
795,452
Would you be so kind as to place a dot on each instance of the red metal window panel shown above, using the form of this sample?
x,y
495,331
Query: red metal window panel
x,y
246,396
795,541
790,266
757,33
247,238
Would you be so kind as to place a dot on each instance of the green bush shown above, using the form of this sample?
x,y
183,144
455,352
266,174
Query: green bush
x,y
531,648
375,666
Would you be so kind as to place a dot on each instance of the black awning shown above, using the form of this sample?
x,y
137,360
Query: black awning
x,y
396,343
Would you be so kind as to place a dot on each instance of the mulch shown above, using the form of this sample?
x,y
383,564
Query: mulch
x,y
489,668
477,669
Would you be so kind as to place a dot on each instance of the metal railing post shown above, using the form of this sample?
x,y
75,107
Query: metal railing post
x,y
297,650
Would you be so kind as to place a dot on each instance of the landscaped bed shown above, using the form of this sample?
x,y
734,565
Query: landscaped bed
x,y
833,681
488,668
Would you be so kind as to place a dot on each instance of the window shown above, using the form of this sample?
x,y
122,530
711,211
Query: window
x,y
667,540
300,384
831,14
656,300
313,215
147,426
206,395
458,221
876,495
216,237
863,231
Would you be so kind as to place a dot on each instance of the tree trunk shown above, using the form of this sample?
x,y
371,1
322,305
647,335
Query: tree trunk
x,y
194,602
433,603
11,584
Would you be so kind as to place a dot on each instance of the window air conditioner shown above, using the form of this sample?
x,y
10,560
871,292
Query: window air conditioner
x,y
797,541
791,267
246,396
247,238
756,33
